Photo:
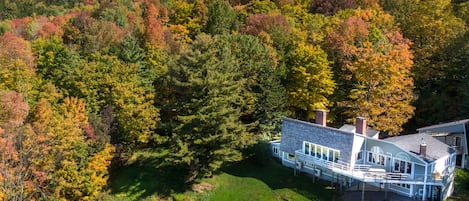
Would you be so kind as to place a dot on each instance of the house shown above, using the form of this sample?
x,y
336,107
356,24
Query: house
x,y
453,134
417,165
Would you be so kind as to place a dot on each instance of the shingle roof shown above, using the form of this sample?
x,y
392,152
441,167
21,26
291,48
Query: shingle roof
x,y
444,124
351,128
411,143
294,132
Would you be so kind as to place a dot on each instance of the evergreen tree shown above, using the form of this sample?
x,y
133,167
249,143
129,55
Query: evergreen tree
x,y
208,131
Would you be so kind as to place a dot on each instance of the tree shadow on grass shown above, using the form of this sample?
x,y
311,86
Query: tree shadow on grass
x,y
147,176
277,176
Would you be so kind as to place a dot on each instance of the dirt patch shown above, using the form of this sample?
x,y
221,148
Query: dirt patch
x,y
202,187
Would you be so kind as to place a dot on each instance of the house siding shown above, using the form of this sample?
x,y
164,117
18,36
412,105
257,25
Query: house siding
x,y
295,132
420,183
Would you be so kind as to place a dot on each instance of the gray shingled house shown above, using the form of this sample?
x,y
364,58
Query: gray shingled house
x,y
453,134
416,165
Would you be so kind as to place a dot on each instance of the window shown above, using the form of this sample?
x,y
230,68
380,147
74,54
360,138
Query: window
x,y
318,151
376,158
402,166
403,185
457,141
307,150
275,150
313,150
336,156
321,152
331,155
359,155
291,157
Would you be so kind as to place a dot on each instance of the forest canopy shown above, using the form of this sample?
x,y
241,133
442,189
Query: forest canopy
x,y
84,83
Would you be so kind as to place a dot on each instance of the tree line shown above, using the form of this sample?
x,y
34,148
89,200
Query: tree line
x,y
86,82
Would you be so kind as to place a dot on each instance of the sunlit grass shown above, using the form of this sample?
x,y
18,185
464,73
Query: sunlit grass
x,y
147,177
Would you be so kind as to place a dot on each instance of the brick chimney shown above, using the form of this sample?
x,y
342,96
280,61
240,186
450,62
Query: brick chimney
x,y
361,126
423,149
321,117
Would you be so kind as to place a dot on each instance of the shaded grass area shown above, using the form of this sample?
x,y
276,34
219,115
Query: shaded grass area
x,y
461,186
148,177
248,181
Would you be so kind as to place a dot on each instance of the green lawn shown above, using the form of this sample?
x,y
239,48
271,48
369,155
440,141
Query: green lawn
x,y
147,177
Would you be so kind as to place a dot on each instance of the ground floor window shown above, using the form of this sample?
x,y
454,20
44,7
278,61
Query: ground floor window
x,y
407,186
291,157
275,150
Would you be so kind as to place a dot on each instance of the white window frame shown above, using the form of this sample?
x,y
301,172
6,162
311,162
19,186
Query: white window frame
x,y
375,158
321,152
401,162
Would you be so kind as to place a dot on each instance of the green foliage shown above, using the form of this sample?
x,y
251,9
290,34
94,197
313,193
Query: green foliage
x,y
54,61
128,61
221,18
208,131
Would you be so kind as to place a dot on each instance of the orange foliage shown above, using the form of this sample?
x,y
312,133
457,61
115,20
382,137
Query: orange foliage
x,y
154,30
14,48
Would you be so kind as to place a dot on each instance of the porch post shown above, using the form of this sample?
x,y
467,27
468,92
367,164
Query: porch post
x,y
363,191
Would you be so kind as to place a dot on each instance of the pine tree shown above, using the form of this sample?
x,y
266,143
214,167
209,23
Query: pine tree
x,y
208,131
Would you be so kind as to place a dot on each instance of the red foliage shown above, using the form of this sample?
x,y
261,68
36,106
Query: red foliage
x,y
13,108
265,23
89,2
330,7
19,25
50,29
89,132
349,33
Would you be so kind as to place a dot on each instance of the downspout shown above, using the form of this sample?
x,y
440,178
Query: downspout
x,y
463,160
364,156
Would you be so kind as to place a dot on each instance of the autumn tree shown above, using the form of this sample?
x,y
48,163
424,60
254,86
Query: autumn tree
x,y
16,64
330,7
310,80
433,27
154,29
14,173
372,62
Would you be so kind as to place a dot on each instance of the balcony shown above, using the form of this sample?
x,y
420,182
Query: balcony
x,y
366,173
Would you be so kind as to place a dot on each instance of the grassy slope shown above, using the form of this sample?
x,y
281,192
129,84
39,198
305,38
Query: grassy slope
x,y
146,177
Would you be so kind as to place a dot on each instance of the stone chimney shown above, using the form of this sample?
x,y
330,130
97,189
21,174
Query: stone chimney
x,y
321,117
361,126
423,149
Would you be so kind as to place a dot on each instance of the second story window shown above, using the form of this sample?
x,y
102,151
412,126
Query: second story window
x,y
321,152
376,158
402,166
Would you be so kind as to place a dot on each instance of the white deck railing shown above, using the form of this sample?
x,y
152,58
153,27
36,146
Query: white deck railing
x,y
365,172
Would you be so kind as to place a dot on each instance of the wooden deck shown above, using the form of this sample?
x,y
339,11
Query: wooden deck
x,y
365,173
